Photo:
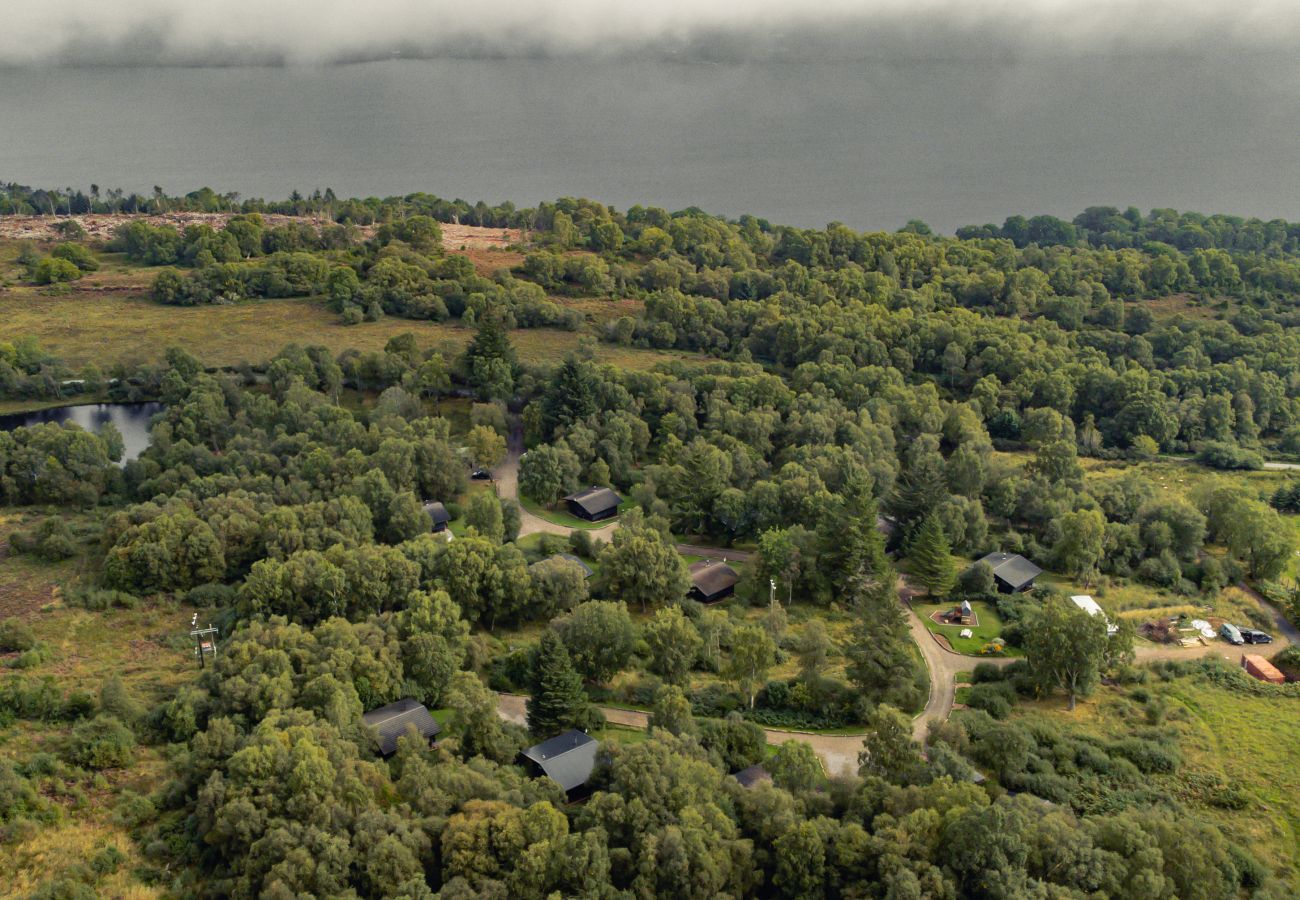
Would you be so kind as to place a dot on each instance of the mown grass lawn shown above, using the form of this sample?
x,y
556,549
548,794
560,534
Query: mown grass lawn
x,y
990,627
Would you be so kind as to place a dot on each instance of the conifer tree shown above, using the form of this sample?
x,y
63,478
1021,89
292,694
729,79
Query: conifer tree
x,y
558,702
921,486
878,661
931,558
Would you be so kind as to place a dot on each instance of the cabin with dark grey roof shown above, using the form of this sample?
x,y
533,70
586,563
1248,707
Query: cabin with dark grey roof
x,y
567,759
587,571
1012,571
438,516
594,504
754,775
712,580
391,722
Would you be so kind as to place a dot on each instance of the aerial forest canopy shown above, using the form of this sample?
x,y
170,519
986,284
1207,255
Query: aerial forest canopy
x,y
842,415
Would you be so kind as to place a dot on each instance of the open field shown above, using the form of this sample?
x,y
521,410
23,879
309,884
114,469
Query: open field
x,y
1234,739
149,647
112,328
106,317
100,226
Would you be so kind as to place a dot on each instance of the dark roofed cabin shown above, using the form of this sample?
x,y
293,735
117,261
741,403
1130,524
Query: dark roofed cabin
x,y
569,557
594,504
752,776
1012,571
390,723
438,516
712,580
568,759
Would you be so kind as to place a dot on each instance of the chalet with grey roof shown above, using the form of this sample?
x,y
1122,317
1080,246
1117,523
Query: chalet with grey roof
x,y
439,518
567,759
391,722
1012,571
753,776
594,504
712,580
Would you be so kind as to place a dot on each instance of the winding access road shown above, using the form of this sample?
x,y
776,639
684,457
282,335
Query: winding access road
x,y
838,752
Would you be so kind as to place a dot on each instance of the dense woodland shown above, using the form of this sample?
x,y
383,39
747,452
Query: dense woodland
x,y
957,386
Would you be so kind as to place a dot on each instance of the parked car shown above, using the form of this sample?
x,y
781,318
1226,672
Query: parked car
x,y
1255,636
1230,633
481,475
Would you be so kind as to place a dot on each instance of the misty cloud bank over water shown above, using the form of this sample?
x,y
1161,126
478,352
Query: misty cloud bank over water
x,y
306,32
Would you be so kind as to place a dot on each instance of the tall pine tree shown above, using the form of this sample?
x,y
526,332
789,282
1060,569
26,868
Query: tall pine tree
x,y
558,702
931,558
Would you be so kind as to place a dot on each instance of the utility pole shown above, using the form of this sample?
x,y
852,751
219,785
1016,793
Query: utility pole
x,y
771,600
203,648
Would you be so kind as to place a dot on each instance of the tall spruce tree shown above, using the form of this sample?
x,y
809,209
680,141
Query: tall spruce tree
x,y
489,363
922,485
931,558
571,397
491,341
878,662
558,702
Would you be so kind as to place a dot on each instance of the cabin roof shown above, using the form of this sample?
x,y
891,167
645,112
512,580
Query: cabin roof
x,y
595,500
390,722
712,576
752,776
437,512
1012,568
1087,604
567,758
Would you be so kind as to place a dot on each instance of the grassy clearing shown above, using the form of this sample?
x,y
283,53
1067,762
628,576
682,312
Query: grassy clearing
x,y
1180,478
111,328
989,628
107,317
52,850
26,583
1253,743
149,647
1244,741
621,734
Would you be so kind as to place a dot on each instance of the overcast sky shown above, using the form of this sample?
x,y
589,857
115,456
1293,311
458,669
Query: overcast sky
x,y
314,31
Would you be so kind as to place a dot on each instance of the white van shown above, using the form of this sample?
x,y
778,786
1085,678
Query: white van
x,y
1230,634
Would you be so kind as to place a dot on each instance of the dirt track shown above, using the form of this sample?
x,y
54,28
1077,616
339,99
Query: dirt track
x,y
838,753
506,477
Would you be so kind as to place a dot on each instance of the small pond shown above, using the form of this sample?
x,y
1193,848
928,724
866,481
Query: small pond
x,y
131,419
